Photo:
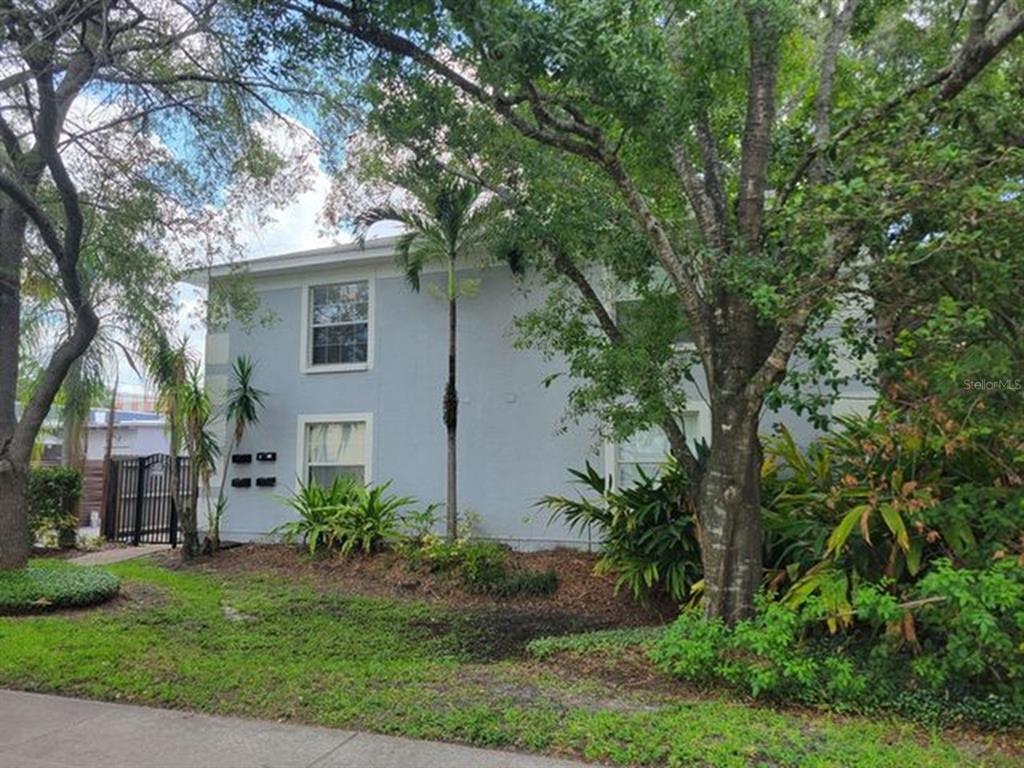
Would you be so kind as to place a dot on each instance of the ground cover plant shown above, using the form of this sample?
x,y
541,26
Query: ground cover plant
x,y
52,584
291,648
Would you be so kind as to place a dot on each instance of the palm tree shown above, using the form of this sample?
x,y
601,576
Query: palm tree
x,y
444,223
83,388
167,367
196,411
242,410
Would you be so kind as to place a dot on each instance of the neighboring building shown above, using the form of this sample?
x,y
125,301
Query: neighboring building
x,y
136,433
354,369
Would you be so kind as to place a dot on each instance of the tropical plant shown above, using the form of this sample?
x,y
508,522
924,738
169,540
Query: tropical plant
x,y
346,516
880,500
242,408
647,531
446,221
166,365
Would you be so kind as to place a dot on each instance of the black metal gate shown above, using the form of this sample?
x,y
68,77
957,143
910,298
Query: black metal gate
x,y
138,506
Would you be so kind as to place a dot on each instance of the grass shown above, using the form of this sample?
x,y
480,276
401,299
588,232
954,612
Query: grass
x,y
267,648
49,585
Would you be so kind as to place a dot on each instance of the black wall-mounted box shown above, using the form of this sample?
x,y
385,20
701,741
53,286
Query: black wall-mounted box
x,y
266,482
241,482
241,458
266,456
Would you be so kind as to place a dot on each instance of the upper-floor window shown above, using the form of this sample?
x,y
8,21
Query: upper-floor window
x,y
627,315
339,326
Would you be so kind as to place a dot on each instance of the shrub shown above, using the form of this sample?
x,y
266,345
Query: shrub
x,y
971,625
647,531
52,497
346,516
481,566
968,666
883,498
49,586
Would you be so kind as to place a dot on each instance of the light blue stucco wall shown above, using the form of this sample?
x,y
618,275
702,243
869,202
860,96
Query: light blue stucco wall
x,y
509,452
513,444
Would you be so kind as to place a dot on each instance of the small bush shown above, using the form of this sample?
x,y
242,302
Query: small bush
x,y
970,670
346,516
647,532
52,496
523,584
50,586
481,566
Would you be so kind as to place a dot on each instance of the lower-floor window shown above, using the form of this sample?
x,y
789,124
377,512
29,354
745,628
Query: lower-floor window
x,y
647,452
336,446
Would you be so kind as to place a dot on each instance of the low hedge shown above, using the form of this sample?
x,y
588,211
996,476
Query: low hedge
x,y
49,586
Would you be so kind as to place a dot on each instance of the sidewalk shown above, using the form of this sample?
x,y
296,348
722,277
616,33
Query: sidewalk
x,y
117,554
38,731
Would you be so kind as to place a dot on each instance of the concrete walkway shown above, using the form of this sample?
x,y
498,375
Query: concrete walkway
x,y
38,731
117,554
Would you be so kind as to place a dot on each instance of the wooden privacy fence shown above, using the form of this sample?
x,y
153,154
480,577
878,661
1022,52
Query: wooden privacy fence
x,y
138,506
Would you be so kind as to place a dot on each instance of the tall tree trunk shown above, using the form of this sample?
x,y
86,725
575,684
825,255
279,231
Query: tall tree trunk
x,y
190,547
451,411
730,511
212,542
15,544
15,538
108,444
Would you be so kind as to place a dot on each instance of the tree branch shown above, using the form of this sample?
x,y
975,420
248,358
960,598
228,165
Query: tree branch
x,y
757,132
823,98
673,432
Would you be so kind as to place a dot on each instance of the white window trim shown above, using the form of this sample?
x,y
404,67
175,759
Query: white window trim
x,y
305,419
305,351
612,307
611,449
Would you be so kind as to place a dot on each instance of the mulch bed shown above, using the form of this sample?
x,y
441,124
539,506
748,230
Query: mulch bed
x,y
580,595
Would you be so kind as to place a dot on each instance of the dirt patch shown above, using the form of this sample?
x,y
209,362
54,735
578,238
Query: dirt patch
x,y
493,634
582,601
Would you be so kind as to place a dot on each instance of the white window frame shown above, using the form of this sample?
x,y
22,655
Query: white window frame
x,y
305,330
678,346
305,419
611,449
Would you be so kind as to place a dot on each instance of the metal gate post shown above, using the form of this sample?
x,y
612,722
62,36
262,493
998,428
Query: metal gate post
x,y
140,489
109,528
174,501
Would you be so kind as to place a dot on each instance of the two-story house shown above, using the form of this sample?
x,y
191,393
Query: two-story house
x,y
354,368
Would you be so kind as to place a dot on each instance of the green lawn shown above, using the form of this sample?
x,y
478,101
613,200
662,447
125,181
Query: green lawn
x,y
262,647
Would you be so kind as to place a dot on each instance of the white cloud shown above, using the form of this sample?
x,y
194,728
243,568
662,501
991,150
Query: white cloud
x,y
296,226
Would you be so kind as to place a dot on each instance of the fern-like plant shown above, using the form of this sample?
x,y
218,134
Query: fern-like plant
x,y
647,532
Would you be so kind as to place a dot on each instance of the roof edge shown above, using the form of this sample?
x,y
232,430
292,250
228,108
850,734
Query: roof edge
x,y
342,253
